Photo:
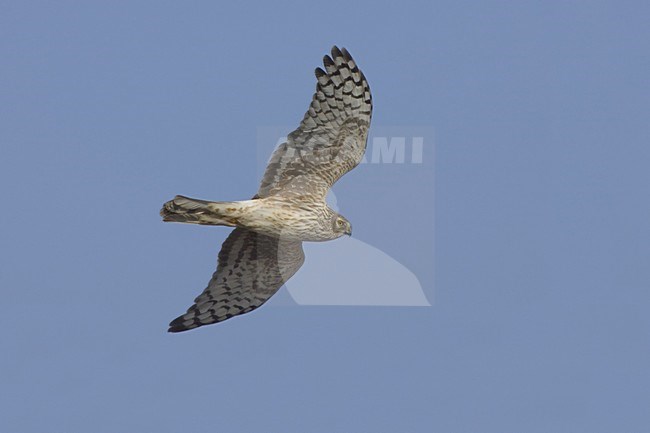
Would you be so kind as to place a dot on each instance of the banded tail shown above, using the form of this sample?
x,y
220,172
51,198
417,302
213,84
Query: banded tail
x,y
194,211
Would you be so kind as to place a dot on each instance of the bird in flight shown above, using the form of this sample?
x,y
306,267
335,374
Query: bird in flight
x,y
265,248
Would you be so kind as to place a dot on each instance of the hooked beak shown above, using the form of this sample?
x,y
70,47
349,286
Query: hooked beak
x,y
349,231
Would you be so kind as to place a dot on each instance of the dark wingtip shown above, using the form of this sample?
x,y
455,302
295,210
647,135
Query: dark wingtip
x,y
346,54
178,325
327,61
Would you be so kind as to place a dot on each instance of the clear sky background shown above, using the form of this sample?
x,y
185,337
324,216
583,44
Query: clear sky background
x,y
541,280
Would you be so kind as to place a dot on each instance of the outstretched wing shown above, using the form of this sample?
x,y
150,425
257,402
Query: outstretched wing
x,y
331,138
250,269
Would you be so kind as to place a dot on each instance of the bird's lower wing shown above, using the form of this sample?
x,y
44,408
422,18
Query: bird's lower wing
x,y
251,268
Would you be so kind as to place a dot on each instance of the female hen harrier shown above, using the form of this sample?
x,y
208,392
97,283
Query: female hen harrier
x,y
265,249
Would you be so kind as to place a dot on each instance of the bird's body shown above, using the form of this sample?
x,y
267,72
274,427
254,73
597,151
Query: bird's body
x,y
265,249
293,218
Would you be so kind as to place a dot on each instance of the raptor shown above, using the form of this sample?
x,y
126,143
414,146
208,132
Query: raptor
x,y
265,248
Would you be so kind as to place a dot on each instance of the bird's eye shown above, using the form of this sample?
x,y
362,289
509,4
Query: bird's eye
x,y
340,223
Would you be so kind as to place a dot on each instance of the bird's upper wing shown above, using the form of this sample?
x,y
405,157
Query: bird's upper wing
x,y
251,268
331,138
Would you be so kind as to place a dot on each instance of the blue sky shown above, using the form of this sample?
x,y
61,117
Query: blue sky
x,y
535,210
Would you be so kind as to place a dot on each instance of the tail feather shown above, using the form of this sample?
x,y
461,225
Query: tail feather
x,y
193,211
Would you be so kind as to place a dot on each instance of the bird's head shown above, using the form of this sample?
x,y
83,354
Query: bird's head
x,y
341,225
